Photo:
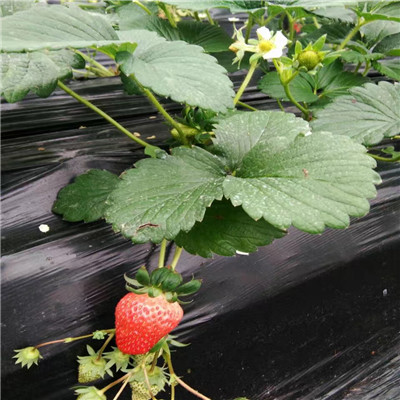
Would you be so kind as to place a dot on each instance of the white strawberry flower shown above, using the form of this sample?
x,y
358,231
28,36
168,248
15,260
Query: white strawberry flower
x,y
270,45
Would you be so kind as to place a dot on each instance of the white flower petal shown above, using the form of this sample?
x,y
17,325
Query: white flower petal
x,y
264,33
279,40
274,53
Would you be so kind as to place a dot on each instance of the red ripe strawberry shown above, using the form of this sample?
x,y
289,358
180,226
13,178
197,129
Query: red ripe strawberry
x,y
141,321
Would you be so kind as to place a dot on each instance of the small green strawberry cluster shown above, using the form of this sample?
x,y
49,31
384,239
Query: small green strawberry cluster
x,y
162,281
141,385
142,374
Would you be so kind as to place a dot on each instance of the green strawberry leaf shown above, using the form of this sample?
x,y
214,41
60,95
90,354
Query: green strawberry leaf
x,y
178,70
226,229
314,3
367,115
335,33
332,81
307,184
160,197
23,72
9,7
54,27
85,199
233,5
286,177
354,56
386,11
390,45
390,68
211,37
375,31
237,135
301,87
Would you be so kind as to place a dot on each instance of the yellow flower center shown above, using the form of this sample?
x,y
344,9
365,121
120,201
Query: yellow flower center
x,y
265,46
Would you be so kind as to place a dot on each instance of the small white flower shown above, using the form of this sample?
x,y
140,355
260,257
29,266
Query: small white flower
x,y
270,45
44,228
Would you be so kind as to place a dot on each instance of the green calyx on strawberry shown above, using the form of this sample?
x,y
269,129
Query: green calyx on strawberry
x,y
162,281
117,358
27,356
92,367
139,386
89,393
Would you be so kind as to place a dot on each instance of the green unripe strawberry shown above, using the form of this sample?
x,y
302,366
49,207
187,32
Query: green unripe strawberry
x,y
92,367
139,387
90,393
27,356
138,358
141,392
309,59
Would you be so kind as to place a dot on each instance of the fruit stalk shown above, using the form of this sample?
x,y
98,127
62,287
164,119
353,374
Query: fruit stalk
x,y
146,377
110,336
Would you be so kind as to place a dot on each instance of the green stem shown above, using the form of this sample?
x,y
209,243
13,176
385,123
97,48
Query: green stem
x,y
280,105
168,14
379,158
291,26
154,363
316,24
293,100
243,86
367,68
146,377
86,73
72,339
210,20
98,72
112,384
178,252
172,392
142,6
162,110
190,389
196,16
110,336
357,67
96,64
161,258
121,389
269,19
240,103
165,114
250,23
104,115
351,34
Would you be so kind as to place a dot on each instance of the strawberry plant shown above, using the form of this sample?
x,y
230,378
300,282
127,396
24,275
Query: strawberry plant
x,y
232,177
